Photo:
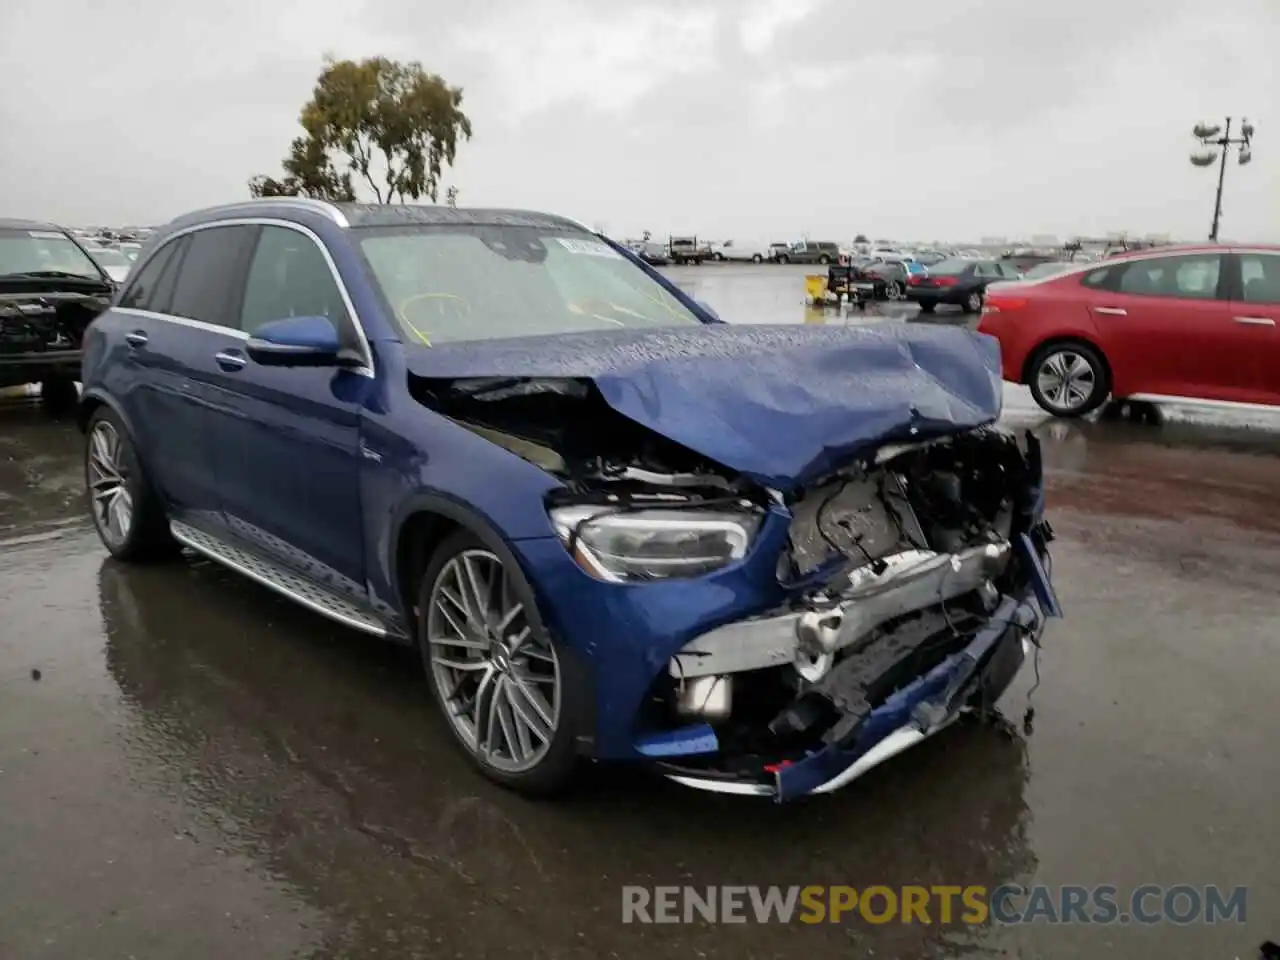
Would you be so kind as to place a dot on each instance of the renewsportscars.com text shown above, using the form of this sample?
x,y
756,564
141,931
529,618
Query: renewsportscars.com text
x,y
938,904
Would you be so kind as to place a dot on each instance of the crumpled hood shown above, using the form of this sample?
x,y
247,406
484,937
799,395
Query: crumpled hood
x,y
783,405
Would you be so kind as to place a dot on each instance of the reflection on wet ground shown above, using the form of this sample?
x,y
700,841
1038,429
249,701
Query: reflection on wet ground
x,y
202,770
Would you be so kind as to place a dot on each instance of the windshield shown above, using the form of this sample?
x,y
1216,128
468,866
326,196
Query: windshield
x,y
451,283
43,251
108,258
1046,270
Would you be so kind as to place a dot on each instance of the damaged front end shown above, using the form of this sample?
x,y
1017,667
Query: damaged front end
x,y
42,329
902,590
917,583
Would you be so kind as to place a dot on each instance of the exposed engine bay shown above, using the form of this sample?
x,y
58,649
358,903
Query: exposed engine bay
x,y
40,322
892,564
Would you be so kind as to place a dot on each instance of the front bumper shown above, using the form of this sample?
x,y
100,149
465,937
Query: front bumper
x,y
915,713
16,368
980,671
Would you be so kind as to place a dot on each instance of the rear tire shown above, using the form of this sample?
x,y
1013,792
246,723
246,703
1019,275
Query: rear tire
x,y
927,307
824,259
1068,378
756,258
783,258
511,707
126,509
972,302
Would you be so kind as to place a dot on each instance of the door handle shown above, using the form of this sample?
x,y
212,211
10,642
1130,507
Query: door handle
x,y
136,338
1112,311
229,359
1255,321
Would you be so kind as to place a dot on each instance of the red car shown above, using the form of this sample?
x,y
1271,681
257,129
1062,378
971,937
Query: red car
x,y
1177,324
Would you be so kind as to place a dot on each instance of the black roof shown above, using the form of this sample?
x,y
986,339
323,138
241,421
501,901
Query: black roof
x,y
14,224
403,214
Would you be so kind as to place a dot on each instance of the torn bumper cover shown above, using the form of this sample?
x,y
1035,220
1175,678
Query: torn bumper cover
x,y
978,671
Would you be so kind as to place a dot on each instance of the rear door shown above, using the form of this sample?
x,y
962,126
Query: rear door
x,y
199,325
1255,310
1166,325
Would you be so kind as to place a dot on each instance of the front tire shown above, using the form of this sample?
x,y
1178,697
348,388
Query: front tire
x,y
126,509
783,258
756,258
494,670
1068,379
824,259
59,396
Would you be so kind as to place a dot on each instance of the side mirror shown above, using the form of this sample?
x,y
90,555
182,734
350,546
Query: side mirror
x,y
707,308
296,342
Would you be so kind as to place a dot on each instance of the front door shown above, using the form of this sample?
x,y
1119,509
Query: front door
x,y
288,437
1255,313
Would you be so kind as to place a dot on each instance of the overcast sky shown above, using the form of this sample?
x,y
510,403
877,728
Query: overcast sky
x,y
754,119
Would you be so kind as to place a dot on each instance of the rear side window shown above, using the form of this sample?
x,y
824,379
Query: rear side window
x,y
211,275
141,294
1190,278
988,270
289,277
1098,279
1260,277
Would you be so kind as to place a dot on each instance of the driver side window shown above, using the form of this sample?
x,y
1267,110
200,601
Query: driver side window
x,y
290,277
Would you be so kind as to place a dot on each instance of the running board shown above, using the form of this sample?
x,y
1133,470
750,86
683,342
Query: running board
x,y
283,581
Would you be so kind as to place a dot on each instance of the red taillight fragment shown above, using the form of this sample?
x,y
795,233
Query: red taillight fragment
x,y
913,281
1003,304
945,281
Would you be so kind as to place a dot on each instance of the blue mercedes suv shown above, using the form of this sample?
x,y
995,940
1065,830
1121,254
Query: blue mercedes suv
x,y
761,559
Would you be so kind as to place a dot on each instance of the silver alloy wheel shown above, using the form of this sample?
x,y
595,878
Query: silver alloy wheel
x,y
1066,379
111,500
500,683
974,302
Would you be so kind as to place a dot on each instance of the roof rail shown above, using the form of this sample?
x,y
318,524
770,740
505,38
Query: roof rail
x,y
322,207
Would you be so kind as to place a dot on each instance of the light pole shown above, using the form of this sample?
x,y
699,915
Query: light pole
x,y
1213,139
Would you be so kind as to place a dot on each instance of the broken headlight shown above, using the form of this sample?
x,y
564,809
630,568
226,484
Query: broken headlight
x,y
624,546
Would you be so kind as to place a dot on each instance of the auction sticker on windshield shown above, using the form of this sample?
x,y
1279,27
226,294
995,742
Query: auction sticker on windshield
x,y
588,248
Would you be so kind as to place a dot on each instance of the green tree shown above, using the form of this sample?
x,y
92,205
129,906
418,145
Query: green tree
x,y
308,173
389,125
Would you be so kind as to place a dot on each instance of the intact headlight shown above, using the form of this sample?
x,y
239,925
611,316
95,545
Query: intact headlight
x,y
624,546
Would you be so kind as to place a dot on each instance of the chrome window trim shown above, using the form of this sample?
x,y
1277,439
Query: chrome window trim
x,y
183,322
366,350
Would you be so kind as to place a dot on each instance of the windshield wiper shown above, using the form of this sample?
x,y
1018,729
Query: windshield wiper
x,y
45,274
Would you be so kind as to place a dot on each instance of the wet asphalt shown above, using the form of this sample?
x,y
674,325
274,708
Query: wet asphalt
x,y
202,770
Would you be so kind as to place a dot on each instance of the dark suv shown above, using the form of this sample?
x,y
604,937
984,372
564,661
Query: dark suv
x,y
50,289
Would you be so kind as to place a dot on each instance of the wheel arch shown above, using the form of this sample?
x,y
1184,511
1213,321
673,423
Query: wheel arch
x,y
90,401
421,523
1034,353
